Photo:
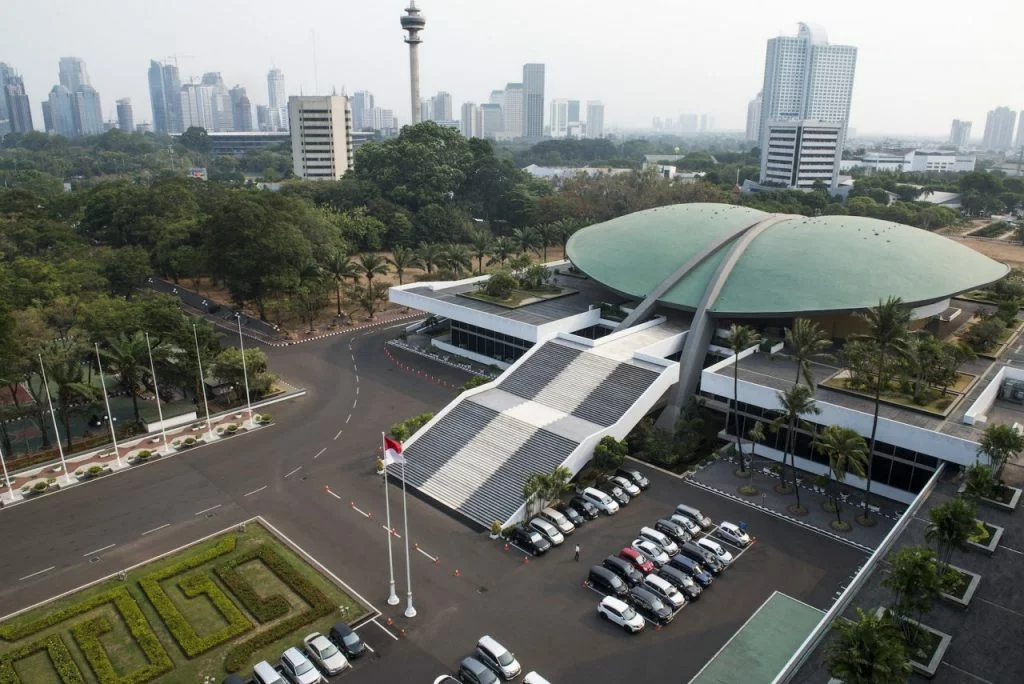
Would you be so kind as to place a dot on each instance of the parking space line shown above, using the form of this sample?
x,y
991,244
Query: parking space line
x,y
256,491
385,528
22,579
207,510
346,420
358,510
93,553
297,469
356,402
319,453
432,558
386,631
156,529
336,436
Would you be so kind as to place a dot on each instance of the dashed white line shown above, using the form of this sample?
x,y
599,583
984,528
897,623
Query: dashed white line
x,y
93,553
337,435
357,379
347,419
22,579
328,490
355,369
156,529
356,402
255,491
293,472
357,389
211,508
321,452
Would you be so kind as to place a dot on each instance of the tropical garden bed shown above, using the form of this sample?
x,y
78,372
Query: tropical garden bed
x,y
961,585
929,645
986,537
939,404
518,298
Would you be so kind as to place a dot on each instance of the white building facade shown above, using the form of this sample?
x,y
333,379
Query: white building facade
x,y
278,98
798,154
595,119
470,123
559,118
754,119
321,132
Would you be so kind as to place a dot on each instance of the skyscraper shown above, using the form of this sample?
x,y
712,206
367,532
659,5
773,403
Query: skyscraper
x,y
960,133
754,119
512,111
125,118
426,109
443,106
241,109
497,97
164,89
263,121
491,121
595,119
689,123
574,111
999,125
559,118
59,112
19,110
798,154
1019,142
533,101
806,78
707,123
5,116
321,136
382,119
362,110
469,121
278,100
197,106
72,73
412,23
220,102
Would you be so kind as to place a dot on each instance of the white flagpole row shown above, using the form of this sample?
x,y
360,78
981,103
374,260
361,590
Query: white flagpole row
x,y
202,383
7,480
410,611
106,400
53,415
392,597
245,373
156,392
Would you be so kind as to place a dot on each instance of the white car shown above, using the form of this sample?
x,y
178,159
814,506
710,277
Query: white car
x,y
621,613
715,548
688,525
325,654
548,531
626,485
495,656
298,669
662,540
732,534
665,590
601,501
651,551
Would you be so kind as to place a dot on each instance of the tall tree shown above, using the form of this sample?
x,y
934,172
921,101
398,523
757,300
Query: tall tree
x,y
64,369
127,356
807,342
371,297
546,234
503,249
371,264
739,338
481,245
429,254
457,258
999,442
847,453
340,268
868,650
796,402
915,581
524,239
950,527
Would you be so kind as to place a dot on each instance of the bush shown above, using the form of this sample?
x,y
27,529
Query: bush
x,y
95,470
263,609
39,486
405,429
984,335
232,428
264,418
500,284
608,454
67,670
189,441
87,634
496,527
474,381
143,455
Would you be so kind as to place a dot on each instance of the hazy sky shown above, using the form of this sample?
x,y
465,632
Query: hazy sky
x,y
920,63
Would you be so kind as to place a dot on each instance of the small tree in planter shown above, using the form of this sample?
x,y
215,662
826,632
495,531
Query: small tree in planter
x,y
143,455
980,483
495,529
951,526
916,583
609,454
999,442
867,650
190,441
847,453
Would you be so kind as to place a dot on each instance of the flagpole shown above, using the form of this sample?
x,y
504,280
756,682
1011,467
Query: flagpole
x,y
106,400
202,383
7,480
53,415
245,373
156,393
410,611
393,597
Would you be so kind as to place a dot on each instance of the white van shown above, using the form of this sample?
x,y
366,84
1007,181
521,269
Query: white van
x,y
665,591
653,535
558,520
602,501
695,515
534,678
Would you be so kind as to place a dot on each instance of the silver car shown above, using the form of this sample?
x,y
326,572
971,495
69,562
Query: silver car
x,y
298,669
325,654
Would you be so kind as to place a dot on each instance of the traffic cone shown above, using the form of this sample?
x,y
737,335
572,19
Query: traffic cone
x,y
390,622
456,573
657,627
506,546
526,559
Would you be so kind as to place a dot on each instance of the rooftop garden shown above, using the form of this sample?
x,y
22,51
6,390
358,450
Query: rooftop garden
x,y
513,289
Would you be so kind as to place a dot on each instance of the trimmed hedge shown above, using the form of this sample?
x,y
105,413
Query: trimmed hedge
x,y
263,609
55,647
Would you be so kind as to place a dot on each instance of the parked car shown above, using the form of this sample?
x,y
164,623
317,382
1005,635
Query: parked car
x,y
600,500
234,679
662,540
298,669
692,568
664,590
529,540
695,515
650,606
621,613
534,678
636,476
446,679
692,528
673,531
606,581
615,491
547,530
716,548
652,551
733,534
345,638
703,556
637,560
324,654
584,507
574,516
498,658
681,581
625,485
472,671
264,673
624,569
558,520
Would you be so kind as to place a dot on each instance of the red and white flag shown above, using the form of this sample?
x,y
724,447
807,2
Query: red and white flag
x,y
392,451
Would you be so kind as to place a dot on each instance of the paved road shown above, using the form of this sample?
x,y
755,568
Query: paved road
x,y
328,439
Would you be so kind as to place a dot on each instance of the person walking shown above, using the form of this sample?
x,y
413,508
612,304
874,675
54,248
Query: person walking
x,y
577,556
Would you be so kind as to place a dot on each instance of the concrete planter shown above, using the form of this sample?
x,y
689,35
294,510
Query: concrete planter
x,y
1008,506
974,579
989,548
927,670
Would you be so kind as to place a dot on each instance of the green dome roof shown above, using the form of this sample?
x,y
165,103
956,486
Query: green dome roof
x,y
796,265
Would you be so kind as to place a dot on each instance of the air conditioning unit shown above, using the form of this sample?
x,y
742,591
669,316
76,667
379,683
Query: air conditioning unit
x,y
1013,390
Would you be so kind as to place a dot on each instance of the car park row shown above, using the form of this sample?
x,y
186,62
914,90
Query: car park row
x,y
321,657
491,663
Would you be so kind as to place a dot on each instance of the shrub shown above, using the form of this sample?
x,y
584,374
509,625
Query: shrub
x,y
67,670
88,634
143,455
232,428
984,335
500,284
496,527
189,441
263,609
474,381
265,418
39,486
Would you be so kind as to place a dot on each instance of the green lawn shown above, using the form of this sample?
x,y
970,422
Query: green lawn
x,y
941,406
139,644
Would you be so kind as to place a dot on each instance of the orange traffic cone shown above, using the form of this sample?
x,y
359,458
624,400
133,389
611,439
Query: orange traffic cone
x,y
390,622
456,573
506,546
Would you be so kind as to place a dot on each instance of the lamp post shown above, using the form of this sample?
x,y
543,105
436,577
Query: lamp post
x,y
106,400
245,372
156,393
7,480
202,383
53,416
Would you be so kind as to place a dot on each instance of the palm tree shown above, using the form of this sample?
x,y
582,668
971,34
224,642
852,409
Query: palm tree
x,y
457,258
887,336
952,524
429,255
739,338
403,258
370,297
502,249
756,436
524,239
847,453
558,483
868,650
481,244
533,490
545,234
371,264
340,267
127,356
64,369
999,442
806,341
565,228
795,402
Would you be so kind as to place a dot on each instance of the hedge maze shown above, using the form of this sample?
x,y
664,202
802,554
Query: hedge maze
x,y
217,607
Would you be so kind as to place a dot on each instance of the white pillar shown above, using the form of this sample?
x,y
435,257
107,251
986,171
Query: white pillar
x,y
156,393
10,486
53,415
106,400
414,80
392,597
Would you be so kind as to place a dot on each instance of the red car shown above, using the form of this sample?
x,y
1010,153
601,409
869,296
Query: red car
x,y
633,557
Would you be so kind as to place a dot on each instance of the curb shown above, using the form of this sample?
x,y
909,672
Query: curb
x,y
451,364
342,332
410,369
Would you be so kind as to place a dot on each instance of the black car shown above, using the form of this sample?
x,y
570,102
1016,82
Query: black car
x,y
692,568
529,540
345,638
702,556
235,679
472,671
571,513
673,531
681,581
629,574
607,582
614,491
634,476
650,606
584,507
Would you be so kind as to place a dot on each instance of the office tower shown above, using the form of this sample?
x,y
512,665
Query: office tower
x,y
754,119
469,121
797,154
689,123
241,109
381,119
362,110
278,100
999,125
497,97
574,111
412,23
1019,142
164,89
19,109
220,102
559,118
491,121
59,112
88,111
806,78
144,127
426,109
6,72
442,106
125,119
197,106
321,132
263,121
72,73
960,133
707,123
595,119
533,101
512,109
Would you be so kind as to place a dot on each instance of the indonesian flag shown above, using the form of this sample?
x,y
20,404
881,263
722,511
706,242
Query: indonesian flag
x,y
392,451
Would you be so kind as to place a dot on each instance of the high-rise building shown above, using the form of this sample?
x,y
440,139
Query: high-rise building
x,y
1019,142
197,106
559,118
442,106
754,119
125,118
19,109
362,110
73,107
999,125
497,97
798,154
278,100
321,132
689,123
144,127
412,23
470,123
164,89
220,102
241,109
707,123
72,73
426,109
533,101
263,120
6,72
382,120
492,122
59,112
807,78
960,133
595,119
574,112
512,109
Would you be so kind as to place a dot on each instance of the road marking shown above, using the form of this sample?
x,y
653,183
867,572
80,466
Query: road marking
x,y
328,490
432,558
356,402
256,491
374,621
385,528
93,553
355,369
1020,553
321,452
336,436
156,529
293,472
211,508
22,579
358,510
357,390
347,419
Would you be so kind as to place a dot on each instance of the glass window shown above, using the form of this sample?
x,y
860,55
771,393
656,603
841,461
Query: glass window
x,y
920,479
905,454
880,466
884,448
901,474
927,461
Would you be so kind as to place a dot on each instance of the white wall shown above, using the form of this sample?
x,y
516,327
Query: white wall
x,y
459,351
977,414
